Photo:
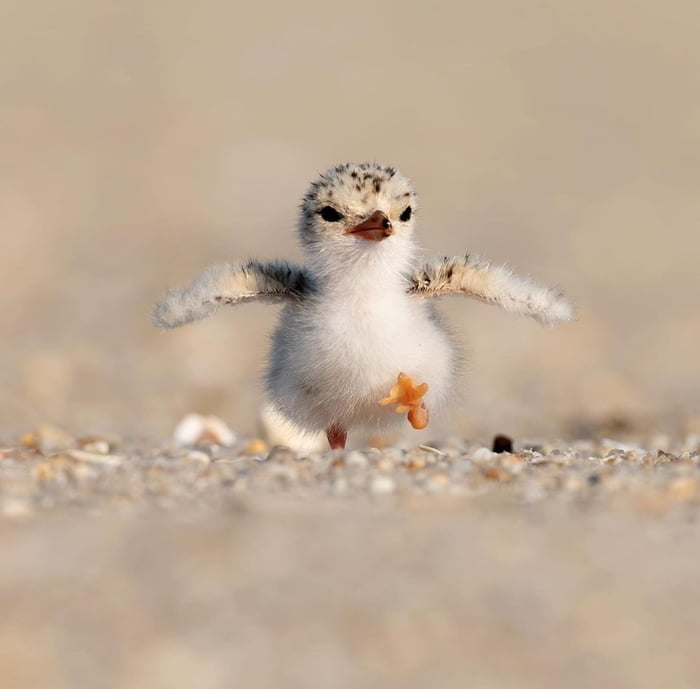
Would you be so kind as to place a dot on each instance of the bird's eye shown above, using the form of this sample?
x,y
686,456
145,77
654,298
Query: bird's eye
x,y
406,215
330,214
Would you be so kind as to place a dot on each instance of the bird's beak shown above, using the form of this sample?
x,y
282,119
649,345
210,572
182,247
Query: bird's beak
x,y
375,228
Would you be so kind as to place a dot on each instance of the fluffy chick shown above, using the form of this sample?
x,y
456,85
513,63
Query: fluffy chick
x,y
359,323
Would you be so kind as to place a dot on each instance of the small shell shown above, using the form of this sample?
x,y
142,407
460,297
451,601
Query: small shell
x,y
99,446
195,429
95,458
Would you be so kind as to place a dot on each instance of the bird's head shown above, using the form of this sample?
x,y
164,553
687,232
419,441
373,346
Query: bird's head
x,y
358,211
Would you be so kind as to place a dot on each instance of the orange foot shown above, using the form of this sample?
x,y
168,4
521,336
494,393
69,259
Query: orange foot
x,y
408,397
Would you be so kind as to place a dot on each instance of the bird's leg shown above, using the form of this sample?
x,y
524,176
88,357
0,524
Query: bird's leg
x,y
408,397
336,437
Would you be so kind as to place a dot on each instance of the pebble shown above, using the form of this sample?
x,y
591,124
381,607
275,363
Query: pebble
x,y
48,439
415,463
515,464
279,453
356,459
437,483
284,472
44,471
392,454
612,445
482,454
502,443
385,465
256,447
496,473
382,485
339,487
535,457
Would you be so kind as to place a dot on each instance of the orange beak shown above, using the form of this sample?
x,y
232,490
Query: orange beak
x,y
375,228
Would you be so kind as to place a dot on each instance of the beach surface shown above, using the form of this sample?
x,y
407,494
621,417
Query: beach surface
x,y
128,564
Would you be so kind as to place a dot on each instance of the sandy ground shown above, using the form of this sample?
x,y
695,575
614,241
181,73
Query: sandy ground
x,y
560,564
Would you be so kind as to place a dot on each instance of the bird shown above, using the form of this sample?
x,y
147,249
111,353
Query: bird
x,y
359,343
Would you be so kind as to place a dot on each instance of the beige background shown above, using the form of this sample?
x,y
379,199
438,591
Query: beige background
x,y
140,142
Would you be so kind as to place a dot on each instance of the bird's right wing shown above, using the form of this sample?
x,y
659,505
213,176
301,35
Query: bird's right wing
x,y
231,283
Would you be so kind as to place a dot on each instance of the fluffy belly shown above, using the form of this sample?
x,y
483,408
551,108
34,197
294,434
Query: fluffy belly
x,y
337,373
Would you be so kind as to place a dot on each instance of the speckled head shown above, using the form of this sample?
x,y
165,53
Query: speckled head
x,y
358,205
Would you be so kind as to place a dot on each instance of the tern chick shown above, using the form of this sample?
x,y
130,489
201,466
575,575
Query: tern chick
x,y
359,338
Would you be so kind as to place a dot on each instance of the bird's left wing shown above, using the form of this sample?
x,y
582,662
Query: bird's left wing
x,y
492,284
231,283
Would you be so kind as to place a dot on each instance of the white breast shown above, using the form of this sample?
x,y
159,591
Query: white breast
x,y
336,356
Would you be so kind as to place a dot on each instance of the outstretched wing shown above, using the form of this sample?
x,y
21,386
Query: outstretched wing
x,y
493,284
231,283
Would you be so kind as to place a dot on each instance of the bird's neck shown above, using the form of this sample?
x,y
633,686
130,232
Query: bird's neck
x,y
342,275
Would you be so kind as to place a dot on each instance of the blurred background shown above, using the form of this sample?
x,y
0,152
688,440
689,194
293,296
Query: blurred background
x,y
140,142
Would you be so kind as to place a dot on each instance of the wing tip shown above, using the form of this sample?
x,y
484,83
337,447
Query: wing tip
x,y
164,315
560,309
178,308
